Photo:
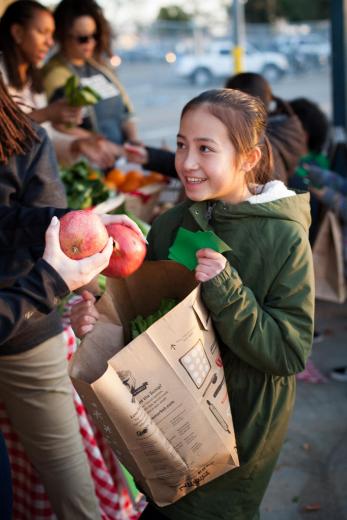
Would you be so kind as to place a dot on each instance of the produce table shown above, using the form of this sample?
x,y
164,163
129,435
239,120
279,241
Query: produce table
x,y
30,501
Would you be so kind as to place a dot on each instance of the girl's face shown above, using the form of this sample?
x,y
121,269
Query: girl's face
x,y
81,40
35,38
206,159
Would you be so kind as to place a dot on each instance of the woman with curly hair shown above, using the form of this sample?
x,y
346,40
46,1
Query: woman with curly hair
x,y
83,35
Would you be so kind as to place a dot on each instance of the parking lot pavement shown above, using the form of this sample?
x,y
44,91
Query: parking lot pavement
x,y
312,469
158,96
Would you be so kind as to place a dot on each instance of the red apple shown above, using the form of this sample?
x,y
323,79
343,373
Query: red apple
x,y
82,234
129,251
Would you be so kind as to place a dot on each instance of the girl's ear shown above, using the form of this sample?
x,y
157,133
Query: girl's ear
x,y
16,31
251,159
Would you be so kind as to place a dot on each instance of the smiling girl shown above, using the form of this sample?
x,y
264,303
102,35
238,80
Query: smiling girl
x,y
259,294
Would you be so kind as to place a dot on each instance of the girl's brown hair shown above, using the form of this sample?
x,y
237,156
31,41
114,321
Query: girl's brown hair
x,y
17,133
245,118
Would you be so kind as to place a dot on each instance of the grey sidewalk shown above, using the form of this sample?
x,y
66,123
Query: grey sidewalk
x,y
312,469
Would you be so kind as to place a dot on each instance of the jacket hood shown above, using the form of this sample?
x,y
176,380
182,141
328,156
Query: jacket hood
x,y
274,201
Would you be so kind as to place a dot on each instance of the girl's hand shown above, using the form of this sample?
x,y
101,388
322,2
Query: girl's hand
x,y
84,315
75,273
210,263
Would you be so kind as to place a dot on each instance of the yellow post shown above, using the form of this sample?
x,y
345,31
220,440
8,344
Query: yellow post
x,y
237,53
4,4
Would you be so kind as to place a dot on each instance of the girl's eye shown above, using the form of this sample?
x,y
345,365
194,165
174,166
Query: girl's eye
x,y
204,148
179,145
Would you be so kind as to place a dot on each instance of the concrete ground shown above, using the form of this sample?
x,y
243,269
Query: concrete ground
x,y
310,480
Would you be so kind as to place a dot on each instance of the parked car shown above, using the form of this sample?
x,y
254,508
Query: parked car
x,y
217,63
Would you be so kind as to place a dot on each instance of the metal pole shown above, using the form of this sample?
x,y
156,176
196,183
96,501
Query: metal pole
x,y
238,18
339,56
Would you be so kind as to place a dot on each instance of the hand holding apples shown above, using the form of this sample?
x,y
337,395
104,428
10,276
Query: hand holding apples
x,y
83,233
75,273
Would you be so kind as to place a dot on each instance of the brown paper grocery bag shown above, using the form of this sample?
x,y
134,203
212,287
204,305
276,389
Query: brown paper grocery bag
x,y
328,261
160,399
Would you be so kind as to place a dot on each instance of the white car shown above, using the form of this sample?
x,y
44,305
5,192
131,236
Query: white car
x,y
217,63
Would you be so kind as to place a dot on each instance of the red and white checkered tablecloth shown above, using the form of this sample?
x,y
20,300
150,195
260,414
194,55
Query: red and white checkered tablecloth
x,y
30,501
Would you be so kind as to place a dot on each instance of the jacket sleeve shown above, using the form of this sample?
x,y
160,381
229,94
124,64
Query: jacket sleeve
x,y
20,226
161,161
274,337
42,185
38,291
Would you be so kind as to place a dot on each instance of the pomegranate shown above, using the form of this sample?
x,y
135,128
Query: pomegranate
x,y
82,234
129,251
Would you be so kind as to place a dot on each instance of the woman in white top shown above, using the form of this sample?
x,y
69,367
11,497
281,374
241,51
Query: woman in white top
x,y
26,35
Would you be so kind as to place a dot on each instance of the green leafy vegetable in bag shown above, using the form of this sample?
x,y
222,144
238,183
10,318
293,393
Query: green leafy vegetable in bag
x,y
140,324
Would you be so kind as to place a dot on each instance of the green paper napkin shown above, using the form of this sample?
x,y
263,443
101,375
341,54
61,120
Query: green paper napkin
x,y
187,243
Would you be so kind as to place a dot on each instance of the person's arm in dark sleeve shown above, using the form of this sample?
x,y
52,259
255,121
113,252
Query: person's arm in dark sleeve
x,y
38,291
22,226
42,187
161,161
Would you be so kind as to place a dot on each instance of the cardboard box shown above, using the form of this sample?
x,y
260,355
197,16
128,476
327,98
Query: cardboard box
x,y
142,203
161,400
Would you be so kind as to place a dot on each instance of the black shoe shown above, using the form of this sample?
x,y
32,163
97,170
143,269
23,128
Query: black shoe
x,y
318,336
339,374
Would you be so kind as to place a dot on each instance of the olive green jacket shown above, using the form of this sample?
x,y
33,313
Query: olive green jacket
x,y
262,306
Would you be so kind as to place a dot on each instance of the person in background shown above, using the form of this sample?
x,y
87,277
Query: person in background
x,y
26,35
83,36
263,315
283,128
316,127
328,189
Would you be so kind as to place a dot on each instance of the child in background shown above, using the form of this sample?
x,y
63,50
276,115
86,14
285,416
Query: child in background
x,y
259,294
283,127
327,188
316,127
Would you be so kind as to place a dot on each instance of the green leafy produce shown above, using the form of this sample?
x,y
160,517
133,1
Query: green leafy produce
x,y
121,210
84,186
79,96
140,324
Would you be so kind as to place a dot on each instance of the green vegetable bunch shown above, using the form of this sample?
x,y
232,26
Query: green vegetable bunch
x,y
78,96
140,324
122,210
84,186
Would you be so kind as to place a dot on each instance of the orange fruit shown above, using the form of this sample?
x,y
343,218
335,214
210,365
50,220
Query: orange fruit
x,y
116,177
132,182
109,185
93,175
153,178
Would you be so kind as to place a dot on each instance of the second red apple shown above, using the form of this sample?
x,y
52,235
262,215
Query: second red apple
x,y
129,251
